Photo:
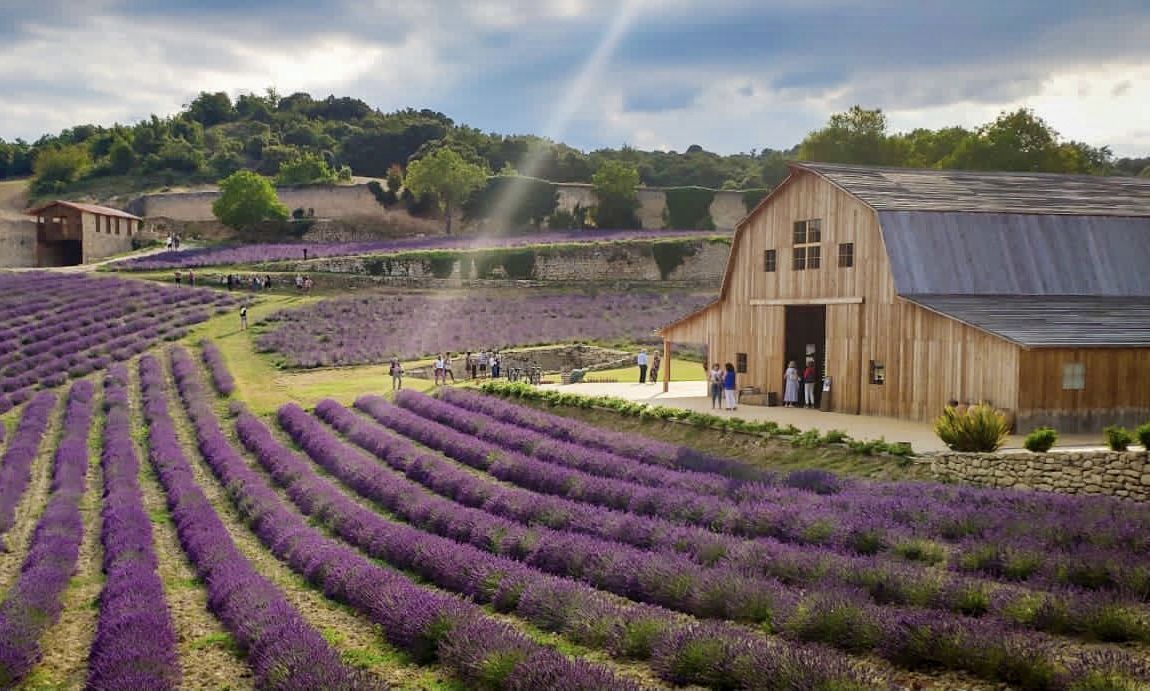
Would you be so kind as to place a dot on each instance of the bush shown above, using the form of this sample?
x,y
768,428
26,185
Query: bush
x,y
980,428
670,255
689,208
1143,434
1040,440
1118,438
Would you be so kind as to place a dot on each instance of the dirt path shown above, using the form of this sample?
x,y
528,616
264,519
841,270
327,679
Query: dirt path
x,y
13,200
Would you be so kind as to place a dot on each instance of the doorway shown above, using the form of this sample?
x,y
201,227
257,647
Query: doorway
x,y
61,253
806,339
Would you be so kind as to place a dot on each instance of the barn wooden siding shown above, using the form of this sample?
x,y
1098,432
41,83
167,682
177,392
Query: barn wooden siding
x,y
1117,389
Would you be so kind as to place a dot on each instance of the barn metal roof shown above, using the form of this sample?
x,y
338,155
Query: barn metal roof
x,y
960,253
910,189
85,208
1047,322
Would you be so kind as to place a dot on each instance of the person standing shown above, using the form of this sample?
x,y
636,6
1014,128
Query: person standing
x,y
483,358
447,369
396,371
641,360
655,362
438,369
243,317
469,366
496,359
809,376
729,387
791,386
715,380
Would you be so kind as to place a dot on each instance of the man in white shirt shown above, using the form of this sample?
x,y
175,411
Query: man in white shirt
x,y
642,362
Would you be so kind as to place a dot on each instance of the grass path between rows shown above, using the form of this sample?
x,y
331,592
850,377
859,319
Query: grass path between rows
x,y
65,646
357,639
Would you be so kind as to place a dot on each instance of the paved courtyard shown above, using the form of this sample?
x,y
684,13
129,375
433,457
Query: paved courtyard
x,y
692,395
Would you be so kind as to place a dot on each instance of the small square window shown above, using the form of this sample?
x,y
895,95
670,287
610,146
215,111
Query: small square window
x,y
813,255
846,255
800,258
741,363
800,236
877,372
770,260
1073,376
814,230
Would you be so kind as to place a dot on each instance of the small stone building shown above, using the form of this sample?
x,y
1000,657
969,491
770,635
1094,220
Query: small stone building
x,y
70,233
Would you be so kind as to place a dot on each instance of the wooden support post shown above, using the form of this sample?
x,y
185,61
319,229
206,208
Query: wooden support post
x,y
666,365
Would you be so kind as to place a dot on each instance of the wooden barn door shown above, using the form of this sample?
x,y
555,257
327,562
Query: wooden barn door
x,y
806,331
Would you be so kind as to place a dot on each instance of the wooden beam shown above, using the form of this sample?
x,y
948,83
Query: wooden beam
x,y
761,302
666,365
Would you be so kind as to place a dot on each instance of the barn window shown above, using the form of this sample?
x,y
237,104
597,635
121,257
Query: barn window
x,y
741,363
807,254
846,255
1073,376
877,372
770,260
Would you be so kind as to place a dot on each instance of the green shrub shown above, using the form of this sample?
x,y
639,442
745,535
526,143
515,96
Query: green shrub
x,y
1040,440
980,428
1143,434
920,550
689,208
670,255
1118,438
519,264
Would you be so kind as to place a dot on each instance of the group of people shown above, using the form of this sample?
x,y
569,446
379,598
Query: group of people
x,y
173,242
721,384
475,366
190,277
303,283
233,281
648,374
793,381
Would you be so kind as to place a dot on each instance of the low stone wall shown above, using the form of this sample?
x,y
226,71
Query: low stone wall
x,y
1123,474
17,244
632,261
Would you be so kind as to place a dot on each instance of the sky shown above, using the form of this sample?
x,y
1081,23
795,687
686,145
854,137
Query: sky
x,y
728,75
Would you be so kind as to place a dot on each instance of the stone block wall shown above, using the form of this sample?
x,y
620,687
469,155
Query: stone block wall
x,y
17,244
608,262
1124,474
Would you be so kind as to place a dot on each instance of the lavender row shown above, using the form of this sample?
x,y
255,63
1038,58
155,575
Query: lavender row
x,y
135,643
251,254
633,446
474,557
33,603
284,651
362,330
952,511
839,525
428,624
218,370
23,447
550,450
994,551
729,591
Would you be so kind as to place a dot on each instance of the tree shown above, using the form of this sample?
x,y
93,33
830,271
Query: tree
x,y
121,157
306,169
444,174
246,199
615,184
211,109
57,167
856,136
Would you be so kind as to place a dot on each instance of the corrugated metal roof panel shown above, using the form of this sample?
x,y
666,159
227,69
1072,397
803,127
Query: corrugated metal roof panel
x,y
911,189
958,253
1045,322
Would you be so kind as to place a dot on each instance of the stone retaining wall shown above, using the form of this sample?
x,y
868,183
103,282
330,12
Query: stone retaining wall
x,y
1123,474
630,261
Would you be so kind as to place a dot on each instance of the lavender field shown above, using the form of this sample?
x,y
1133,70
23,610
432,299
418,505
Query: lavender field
x,y
58,326
373,329
462,541
227,255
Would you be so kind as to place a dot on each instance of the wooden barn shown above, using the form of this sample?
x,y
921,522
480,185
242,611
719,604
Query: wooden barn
x,y
69,233
913,288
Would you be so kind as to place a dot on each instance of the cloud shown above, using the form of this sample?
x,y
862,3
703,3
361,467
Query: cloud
x,y
730,75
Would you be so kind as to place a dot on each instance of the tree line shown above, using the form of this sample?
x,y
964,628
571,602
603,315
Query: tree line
x,y
298,139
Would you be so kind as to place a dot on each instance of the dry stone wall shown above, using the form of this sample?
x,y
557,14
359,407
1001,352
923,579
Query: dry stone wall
x,y
1124,474
17,244
609,262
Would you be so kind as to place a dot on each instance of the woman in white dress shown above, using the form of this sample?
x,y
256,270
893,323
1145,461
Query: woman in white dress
x,y
791,392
